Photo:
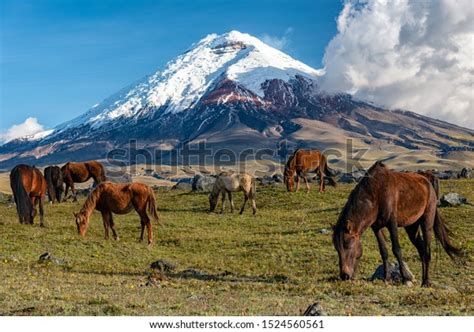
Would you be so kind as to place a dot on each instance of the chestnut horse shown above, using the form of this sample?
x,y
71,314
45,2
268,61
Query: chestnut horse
x,y
29,188
54,181
384,198
81,172
228,182
118,198
302,162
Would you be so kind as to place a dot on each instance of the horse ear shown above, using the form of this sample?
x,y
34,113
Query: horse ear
x,y
75,214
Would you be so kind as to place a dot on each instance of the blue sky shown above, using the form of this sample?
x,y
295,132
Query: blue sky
x,y
58,58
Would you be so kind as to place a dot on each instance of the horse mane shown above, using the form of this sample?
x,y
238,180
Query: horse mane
x,y
91,201
290,164
340,226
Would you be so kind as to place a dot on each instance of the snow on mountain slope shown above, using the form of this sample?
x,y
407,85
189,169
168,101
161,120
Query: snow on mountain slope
x,y
234,55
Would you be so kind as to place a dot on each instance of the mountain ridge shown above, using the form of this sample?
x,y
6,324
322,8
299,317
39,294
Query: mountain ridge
x,y
234,82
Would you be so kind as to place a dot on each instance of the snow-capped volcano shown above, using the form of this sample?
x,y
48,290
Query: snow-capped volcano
x,y
235,56
235,92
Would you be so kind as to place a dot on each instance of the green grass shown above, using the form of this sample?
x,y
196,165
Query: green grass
x,y
276,263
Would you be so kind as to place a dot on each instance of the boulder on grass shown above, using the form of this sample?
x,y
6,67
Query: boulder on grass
x,y
203,183
394,273
452,199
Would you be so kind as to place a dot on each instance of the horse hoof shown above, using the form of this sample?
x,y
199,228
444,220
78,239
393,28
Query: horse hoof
x,y
426,284
408,283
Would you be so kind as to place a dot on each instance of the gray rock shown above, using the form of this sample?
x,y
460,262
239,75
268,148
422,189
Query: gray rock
x,y
193,273
47,257
324,231
120,178
184,185
157,175
203,183
163,265
315,309
452,199
466,173
266,180
5,198
394,273
278,178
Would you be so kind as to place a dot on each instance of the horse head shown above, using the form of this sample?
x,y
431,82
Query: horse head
x,y
346,240
213,201
82,222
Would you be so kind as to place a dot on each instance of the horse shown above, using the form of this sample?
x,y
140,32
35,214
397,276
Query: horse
x,y
302,162
385,198
229,182
118,198
54,181
29,189
81,172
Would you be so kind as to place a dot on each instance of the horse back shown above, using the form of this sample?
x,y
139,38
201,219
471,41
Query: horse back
x,y
406,197
307,160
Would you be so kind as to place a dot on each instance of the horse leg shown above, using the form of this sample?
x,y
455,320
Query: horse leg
x,y
254,206
145,221
34,200
143,229
383,251
246,198
297,183
112,227
322,186
414,233
223,201
306,183
427,230
106,221
74,192
65,193
392,227
231,201
41,210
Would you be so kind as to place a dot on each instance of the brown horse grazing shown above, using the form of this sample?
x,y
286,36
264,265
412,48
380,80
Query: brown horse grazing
x,y
118,198
384,198
302,162
81,172
29,188
228,182
54,181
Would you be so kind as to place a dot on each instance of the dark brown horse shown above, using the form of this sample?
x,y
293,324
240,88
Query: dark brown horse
x,y
54,181
118,198
81,172
29,189
302,162
384,198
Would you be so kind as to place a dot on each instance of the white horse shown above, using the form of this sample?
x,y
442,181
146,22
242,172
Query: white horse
x,y
230,181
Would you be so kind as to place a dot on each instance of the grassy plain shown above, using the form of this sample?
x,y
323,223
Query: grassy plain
x,y
275,263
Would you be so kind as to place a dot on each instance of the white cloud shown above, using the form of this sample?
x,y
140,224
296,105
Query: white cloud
x,y
28,128
278,42
409,54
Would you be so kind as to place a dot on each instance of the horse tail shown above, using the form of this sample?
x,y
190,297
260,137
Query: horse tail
x,y
443,235
151,207
48,175
24,206
328,171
